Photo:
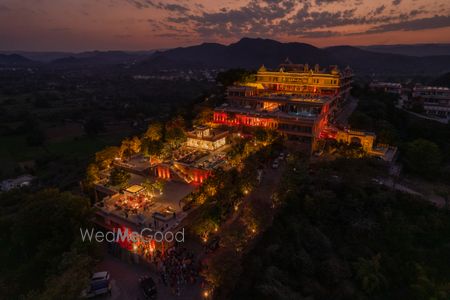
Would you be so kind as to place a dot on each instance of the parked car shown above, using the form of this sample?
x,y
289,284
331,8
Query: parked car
x,y
148,287
275,164
100,284
281,156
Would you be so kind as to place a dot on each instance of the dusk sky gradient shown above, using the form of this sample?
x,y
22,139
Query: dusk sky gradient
x,y
78,25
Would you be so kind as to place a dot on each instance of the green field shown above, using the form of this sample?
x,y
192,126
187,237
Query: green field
x,y
15,149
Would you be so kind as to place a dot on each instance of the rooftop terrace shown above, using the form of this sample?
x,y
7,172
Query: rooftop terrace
x,y
207,134
140,208
201,159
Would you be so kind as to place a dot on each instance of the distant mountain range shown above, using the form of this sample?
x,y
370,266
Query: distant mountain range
x,y
252,53
102,56
14,59
247,53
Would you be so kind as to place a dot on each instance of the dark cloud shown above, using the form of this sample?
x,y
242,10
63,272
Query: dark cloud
x,y
416,12
379,10
321,2
141,4
302,18
320,34
258,17
172,7
413,25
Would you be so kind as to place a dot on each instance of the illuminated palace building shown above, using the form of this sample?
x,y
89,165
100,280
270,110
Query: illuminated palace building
x,y
295,99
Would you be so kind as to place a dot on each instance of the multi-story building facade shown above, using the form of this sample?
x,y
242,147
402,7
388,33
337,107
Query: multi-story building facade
x,y
206,138
296,100
435,100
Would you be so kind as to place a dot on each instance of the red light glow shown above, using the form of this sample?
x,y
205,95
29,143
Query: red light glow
x,y
243,120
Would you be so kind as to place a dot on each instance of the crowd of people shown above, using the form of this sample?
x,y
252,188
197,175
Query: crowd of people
x,y
177,268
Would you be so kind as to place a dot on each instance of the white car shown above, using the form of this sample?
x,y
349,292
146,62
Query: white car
x,y
100,285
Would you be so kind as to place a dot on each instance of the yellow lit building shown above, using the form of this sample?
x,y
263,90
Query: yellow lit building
x,y
302,80
295,99
206,138
363,138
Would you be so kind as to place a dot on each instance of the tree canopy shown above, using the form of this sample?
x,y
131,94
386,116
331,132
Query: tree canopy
x,y
340,236
40,241
119,178
423,157
154,132
232,76
105,157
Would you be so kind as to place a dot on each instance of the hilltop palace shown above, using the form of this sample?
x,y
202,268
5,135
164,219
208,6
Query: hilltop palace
x,y
297,100
300,102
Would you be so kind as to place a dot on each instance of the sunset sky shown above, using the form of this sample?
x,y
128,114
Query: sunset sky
x,y
78,25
